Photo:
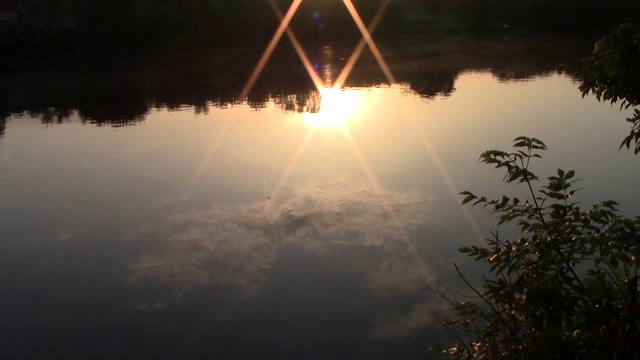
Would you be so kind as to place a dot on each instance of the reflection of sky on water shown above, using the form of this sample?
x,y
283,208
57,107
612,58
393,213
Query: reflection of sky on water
x,y
237,246
154,227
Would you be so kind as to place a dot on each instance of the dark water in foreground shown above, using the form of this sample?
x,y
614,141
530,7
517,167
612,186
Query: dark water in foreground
x,y
155,213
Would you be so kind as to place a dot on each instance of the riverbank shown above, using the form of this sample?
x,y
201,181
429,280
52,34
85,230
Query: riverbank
x,y
428,66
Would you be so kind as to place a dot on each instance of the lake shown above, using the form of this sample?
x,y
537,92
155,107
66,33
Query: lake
x,y
155,210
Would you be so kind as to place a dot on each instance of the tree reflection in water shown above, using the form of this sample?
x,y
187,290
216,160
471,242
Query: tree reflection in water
x,y
125,97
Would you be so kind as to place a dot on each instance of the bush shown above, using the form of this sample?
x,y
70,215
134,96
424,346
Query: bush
x,y
566,289
612,74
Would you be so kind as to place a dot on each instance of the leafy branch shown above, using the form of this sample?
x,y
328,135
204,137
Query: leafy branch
x,y
612,74
566,288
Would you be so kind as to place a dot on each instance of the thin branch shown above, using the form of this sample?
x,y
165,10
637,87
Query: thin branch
x,y
479,294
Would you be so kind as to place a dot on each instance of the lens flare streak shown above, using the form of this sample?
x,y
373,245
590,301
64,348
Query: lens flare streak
x,y
338,84
203,165
284,24
379,190
367,37
360,47
289,170
447,179
301,53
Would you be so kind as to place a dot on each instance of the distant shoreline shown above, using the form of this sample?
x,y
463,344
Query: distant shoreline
x,y
429,44
427,67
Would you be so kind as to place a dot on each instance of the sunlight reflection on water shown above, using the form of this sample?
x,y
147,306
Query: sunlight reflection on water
x,y
337,107
269,224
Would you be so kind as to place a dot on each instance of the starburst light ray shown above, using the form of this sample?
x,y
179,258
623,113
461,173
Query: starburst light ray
x,y
301,53
366,40
367,37
342,78
379,190
289,170
447,179
284,24
203,165
285,21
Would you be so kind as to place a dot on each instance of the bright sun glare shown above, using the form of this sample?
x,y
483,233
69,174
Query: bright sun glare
x,y
337,106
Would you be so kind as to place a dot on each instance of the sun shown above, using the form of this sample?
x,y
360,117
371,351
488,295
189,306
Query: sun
x,y
337,107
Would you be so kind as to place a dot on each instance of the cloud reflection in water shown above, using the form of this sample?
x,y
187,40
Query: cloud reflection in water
x,y
236,246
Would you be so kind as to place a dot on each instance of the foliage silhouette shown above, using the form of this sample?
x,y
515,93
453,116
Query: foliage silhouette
x,y
613,74
218,79
567,288
99,31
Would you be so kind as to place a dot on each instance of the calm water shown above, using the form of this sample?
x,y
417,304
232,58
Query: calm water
x,y
155,213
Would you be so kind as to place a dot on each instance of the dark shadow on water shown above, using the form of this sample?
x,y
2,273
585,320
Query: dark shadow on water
x,y
124,95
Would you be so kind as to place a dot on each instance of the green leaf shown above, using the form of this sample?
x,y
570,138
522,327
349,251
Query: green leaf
x,y
557,195
465,249
506,218
468,198
569,174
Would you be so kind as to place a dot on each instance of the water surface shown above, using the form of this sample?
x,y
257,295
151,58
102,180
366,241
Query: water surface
x,y
156,213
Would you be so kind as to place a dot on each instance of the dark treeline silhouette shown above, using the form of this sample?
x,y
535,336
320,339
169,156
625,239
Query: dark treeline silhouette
x,y
104,30
552,17
125,97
